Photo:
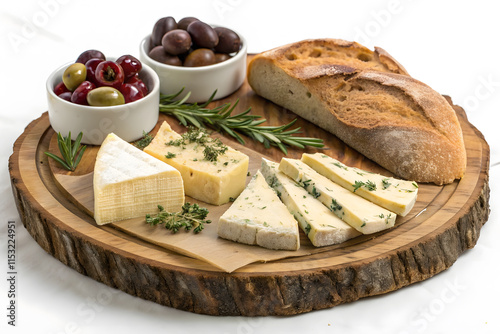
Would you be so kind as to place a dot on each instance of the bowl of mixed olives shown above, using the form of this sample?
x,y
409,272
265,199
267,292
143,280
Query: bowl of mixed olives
x,y
195,56
97,95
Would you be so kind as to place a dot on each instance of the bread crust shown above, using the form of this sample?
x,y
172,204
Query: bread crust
x,y
379,110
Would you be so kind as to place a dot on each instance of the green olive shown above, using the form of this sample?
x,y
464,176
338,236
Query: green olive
x,y
74,75
105,97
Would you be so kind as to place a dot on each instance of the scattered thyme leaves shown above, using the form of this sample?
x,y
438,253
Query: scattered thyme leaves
x,y
144,141
191,216
369,185
212,147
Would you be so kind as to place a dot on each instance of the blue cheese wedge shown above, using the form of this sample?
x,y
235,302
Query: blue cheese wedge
x,y
393,194
320,224
129,183
258,217
214,175
363,215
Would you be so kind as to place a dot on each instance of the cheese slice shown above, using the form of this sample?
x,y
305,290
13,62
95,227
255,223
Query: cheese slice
x,y
211,182
129,183
363,215
258,217
320,225
393,194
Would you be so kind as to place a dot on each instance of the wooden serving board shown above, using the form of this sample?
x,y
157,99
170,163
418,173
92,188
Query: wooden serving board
x,y
445,221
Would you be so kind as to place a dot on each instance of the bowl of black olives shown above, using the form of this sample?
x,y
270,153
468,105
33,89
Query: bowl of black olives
x,y
195,56
97,95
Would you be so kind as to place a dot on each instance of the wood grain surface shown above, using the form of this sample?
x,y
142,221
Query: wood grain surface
x,y
444,223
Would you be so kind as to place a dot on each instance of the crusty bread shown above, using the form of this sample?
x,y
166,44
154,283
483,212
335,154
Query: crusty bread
x,y
397,121
313,52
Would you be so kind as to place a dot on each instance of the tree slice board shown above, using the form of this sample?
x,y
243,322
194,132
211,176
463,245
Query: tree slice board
x,y
445,221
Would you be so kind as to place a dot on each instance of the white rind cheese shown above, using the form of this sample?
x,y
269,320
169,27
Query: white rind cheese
x,y
258,217
320,225
129,183
395,195
363,215
211,182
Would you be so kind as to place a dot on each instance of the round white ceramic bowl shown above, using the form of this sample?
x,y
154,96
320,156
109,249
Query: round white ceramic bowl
x,y
127,121
225,77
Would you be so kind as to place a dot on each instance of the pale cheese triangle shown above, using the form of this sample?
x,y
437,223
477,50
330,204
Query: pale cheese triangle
x,y
258,217
129,183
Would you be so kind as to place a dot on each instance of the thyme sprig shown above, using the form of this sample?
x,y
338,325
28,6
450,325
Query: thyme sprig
x,y
191,216
221,119
71,152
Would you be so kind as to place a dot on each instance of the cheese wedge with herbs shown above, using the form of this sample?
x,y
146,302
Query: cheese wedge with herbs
x,y
212,172
320,225
395,195
129,183
258,217
363,215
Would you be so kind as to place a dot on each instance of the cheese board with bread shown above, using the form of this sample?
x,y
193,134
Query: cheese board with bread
x,y
398,191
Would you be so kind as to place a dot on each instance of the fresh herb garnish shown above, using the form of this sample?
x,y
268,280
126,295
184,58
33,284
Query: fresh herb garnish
x,y
339,165
307,229
190,216
71,152
212,147
335,206
357,185
385,184
212,151
170,155
305,183
315,192
144,141
370,185
220,119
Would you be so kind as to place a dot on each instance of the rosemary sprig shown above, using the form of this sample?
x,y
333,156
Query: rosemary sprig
x,y
221,119
71,152
190,216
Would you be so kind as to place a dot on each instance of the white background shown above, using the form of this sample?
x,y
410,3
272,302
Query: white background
x,y
453,46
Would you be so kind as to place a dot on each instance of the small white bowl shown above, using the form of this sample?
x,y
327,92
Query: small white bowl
x,y
202,81
127,121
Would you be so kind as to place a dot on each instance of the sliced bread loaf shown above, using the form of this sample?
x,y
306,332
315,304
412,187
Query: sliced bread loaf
x,y
397,121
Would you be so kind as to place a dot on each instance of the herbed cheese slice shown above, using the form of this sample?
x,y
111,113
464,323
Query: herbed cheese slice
x,y
258,217
363,215
129,183
211,182
393,194
320,225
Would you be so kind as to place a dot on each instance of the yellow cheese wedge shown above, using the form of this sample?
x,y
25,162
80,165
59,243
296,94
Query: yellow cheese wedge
x,y
320,224
129,183
258,217
363,215
211,182
393,194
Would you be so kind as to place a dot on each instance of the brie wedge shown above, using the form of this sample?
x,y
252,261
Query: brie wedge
x,y
129,183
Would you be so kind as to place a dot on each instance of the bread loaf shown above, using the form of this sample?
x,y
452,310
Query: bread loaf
x,y
368,100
